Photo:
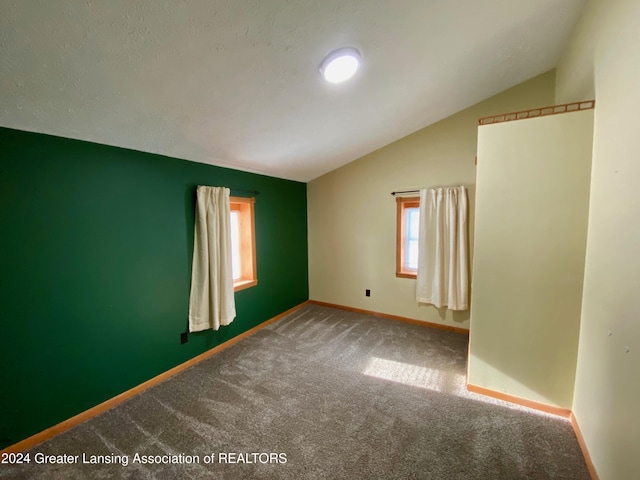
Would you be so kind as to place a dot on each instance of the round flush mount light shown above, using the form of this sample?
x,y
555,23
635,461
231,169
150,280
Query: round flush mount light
x,y
340,65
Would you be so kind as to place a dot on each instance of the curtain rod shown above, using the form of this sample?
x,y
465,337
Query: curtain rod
x,y
418,191
405,191
246,192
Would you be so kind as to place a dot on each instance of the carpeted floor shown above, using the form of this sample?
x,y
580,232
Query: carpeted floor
x,y
335,395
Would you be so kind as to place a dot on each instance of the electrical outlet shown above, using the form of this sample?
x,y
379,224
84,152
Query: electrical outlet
x,y
184,337
367,293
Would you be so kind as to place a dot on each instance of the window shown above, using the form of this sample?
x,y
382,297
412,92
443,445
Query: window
x,y
243,243
407,229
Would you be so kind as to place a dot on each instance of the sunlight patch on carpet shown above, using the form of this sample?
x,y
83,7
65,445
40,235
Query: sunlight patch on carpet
x,y
436,380
415,375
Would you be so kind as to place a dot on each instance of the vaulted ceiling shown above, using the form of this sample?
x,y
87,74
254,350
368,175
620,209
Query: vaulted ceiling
x,y
236,83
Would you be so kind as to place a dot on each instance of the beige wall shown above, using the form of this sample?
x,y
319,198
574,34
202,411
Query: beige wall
x,y
532,203
352,214
606,47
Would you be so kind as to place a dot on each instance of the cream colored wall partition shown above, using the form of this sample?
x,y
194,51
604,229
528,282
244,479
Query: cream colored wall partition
x,y
532,198
352,216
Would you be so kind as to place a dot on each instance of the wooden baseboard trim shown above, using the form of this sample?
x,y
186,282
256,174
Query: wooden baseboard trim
x,y
583,446
543,407
50,432
393,317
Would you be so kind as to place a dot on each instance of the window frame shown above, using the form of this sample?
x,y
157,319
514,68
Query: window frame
x,y
246,224
402,204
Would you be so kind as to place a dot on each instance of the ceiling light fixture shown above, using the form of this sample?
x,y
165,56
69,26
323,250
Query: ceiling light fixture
x,y
340,65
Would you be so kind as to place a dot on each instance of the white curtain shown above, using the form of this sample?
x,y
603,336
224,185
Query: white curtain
x,y
443,275
211,302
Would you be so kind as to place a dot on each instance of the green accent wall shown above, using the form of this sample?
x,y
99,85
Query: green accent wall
x,y
96,245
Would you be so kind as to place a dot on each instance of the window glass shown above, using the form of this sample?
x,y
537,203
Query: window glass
x,y
411,245
235,244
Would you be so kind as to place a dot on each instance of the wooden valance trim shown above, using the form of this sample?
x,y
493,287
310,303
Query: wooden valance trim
x,y
538,112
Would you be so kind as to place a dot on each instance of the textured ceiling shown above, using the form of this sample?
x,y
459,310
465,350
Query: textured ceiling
x,y
236,83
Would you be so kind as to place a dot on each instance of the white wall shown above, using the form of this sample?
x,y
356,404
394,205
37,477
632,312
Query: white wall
x,y
605,53
352,216
532,200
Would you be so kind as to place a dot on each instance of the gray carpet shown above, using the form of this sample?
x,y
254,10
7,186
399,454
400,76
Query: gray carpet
x,y
338,395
